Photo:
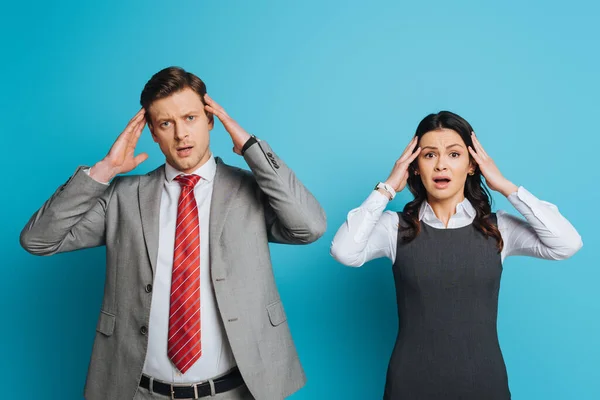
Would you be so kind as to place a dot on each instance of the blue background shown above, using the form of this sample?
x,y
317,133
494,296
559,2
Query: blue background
x,y
337,89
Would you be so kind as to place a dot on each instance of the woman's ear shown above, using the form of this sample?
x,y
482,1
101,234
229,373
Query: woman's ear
x,y
413,169
472,167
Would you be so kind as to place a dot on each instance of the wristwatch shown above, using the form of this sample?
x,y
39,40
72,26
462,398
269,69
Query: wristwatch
x,y
253,139
390,190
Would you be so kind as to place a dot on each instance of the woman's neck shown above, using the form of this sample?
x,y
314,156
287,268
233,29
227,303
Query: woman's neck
x,y
445,209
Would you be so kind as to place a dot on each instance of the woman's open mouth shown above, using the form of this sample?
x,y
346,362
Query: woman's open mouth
x,y
441,182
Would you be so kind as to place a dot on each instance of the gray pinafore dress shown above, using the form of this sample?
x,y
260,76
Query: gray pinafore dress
x,y
447,283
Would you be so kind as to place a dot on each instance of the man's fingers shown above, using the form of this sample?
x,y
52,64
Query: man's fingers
x,y
136,118
221,114
140,112
140,158
209,100
132,125
139,128
133,132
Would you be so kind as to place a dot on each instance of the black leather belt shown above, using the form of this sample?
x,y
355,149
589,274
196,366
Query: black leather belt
x,y
194,390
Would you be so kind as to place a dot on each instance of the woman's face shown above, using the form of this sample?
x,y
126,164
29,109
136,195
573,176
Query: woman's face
x,y
443,164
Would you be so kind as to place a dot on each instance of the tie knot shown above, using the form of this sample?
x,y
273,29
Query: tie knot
x,y
188,181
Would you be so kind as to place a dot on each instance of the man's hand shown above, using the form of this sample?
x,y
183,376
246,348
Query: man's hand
x,y
237,133
120,159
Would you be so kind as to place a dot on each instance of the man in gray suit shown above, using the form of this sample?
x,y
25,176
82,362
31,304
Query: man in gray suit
x,y
190,305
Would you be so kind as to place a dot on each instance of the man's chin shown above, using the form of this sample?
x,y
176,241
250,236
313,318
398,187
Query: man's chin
x,y
185,165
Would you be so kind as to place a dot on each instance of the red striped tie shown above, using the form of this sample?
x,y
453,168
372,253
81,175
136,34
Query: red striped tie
x,y
184,319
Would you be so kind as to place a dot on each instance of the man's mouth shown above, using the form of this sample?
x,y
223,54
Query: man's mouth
x,y
184,151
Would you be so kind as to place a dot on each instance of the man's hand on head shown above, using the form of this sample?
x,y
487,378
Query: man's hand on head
x,y
239,136
121,159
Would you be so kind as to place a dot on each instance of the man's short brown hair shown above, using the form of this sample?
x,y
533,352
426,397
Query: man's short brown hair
x,y
168,81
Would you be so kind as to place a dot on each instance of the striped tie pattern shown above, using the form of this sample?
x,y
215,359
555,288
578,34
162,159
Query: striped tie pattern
x,y
184,345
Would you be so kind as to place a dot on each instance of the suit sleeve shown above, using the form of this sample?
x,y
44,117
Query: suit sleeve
x,y
292,214
73,218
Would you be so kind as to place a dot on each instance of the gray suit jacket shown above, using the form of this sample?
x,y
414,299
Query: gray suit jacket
x,y
247,211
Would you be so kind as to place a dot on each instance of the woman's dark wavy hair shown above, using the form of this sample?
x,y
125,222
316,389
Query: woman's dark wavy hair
x,y
475,190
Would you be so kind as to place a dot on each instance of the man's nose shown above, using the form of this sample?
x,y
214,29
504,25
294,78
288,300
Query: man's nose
x,y
180,132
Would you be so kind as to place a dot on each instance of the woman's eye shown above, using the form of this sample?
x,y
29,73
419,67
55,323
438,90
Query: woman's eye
x,y
454,154
191,117
429,155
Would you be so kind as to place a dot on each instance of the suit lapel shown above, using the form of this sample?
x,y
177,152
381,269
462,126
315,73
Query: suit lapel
x,y
149,195
225,187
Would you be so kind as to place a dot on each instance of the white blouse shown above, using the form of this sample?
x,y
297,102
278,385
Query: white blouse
x,y
369,232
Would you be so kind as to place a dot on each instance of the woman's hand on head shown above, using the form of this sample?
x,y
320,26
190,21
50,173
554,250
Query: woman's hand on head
x,y
493,177
399,175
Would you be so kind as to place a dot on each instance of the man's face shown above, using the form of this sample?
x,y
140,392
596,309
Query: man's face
x,y
180,126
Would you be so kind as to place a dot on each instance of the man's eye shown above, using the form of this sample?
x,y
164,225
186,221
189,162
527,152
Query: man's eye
x,y
165,124
191,117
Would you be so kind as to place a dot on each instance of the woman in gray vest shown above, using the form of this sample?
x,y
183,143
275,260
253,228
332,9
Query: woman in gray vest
x,y
447,249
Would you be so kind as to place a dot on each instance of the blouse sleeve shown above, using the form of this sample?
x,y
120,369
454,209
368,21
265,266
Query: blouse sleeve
x,y
544,233
368,233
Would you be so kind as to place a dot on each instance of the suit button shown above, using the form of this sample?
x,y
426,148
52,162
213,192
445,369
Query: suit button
x,y
276,165
270,154
143,330
148,288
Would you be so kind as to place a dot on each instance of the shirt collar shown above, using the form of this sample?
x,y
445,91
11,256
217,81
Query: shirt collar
x,y
206,171
463,208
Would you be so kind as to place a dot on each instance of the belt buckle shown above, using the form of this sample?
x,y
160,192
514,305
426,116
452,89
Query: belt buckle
x,y
195,386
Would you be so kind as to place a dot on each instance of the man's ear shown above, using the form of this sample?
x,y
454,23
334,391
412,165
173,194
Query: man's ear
x,y
151,129
211,120
149,123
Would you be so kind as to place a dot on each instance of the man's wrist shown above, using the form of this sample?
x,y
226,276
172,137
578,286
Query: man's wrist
x,y
251,141
102,172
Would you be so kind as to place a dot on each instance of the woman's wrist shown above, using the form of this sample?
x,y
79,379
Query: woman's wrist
x,y
508,188
385,193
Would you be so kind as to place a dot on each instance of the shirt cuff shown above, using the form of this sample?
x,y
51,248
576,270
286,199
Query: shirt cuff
x,y
544,211
376,202
523,196
87,172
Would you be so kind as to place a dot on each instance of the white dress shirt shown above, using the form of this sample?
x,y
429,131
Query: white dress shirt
x,y
217,357
369,232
